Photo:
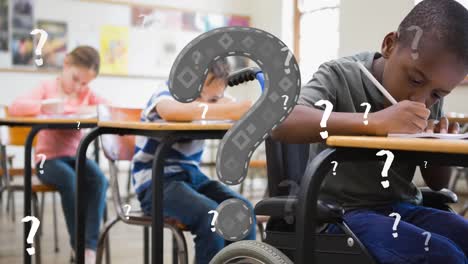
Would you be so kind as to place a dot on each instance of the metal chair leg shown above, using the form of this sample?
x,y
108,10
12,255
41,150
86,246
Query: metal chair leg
x,y
37,239
54,216
179,244
107,242
174,250
102,239
146,245
13,207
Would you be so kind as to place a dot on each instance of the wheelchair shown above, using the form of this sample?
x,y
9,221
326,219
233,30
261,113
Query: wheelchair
x,y
284,241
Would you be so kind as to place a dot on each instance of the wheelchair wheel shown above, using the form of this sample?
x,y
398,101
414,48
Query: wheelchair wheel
x,y
250,252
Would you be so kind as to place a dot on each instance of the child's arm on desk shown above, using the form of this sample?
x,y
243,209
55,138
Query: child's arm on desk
x,y
171,110
406,117
437,177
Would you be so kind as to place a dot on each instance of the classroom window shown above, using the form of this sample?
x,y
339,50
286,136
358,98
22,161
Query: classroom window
x,y
318,34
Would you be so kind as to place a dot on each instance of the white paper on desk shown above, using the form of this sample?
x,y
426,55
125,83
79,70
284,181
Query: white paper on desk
x,y
73,116
212,121
431,135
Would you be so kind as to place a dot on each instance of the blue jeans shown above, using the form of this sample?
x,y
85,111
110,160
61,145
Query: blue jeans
x,y
60,173
448,242
188,197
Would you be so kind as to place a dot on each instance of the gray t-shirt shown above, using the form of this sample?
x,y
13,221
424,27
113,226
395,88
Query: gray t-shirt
x,y
358,185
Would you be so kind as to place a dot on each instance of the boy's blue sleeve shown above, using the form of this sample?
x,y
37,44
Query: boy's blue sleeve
x,y
150,113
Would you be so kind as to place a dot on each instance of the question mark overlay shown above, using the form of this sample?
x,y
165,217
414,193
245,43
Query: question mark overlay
x,y
205,109
41,165
388,163
40,45
127,212
368,107
289,218
395,224
32,232
187,77
426,243
213,221
334,166
326,115
232,219
425,164
78,124
285,101
288,59
415,43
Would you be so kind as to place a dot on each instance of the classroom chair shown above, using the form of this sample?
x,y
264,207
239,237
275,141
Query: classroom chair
x,y
16,137
286,163
121,148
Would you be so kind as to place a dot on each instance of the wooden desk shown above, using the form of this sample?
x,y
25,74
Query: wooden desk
x,y
360,149
37,124
169,132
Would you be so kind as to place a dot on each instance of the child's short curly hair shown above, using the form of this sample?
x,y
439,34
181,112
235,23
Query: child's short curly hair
x,y
443,21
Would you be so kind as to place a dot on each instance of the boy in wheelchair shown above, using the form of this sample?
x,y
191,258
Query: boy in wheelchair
x,y
418,80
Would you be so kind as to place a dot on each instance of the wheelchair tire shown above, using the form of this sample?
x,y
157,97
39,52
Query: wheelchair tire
x,y
250,252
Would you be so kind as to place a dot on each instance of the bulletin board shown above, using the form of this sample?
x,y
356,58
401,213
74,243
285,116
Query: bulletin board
x,y
134,40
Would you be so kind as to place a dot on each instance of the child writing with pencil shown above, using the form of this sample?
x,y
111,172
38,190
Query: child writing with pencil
x,y
188,193
411,102
69,93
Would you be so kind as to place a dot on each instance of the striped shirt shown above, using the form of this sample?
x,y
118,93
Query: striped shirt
x,y
181,154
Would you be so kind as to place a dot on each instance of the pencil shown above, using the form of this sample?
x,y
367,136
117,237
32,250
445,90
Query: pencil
x,y
377,84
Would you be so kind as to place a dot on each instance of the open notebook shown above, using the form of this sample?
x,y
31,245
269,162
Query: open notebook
x,y
431,135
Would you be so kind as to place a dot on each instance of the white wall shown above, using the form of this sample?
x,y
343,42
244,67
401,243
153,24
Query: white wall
x,y
131,92
364,24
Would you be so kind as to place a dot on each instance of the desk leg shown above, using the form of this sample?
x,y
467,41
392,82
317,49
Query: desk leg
x,y
80,210
28,187
157,209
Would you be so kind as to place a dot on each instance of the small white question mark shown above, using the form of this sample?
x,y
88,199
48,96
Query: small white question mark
x,y
388,163
425,164
334,166
196,56
145,20
395,224
32,232
78,124
415,43
368,107
129,207
288,59
326,115
40,45
426,244
41,165
289,218
213,221
285,100
205,109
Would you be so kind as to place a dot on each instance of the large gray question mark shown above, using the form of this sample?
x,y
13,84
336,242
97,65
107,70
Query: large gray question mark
x,y
282,77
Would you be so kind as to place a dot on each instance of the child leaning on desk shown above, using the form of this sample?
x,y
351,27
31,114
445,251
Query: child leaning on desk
x,y
418,80
69,93
188,193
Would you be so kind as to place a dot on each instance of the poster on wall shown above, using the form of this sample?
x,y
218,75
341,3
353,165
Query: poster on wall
x,y
158,35
114,49
3,25
55,49
21,41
